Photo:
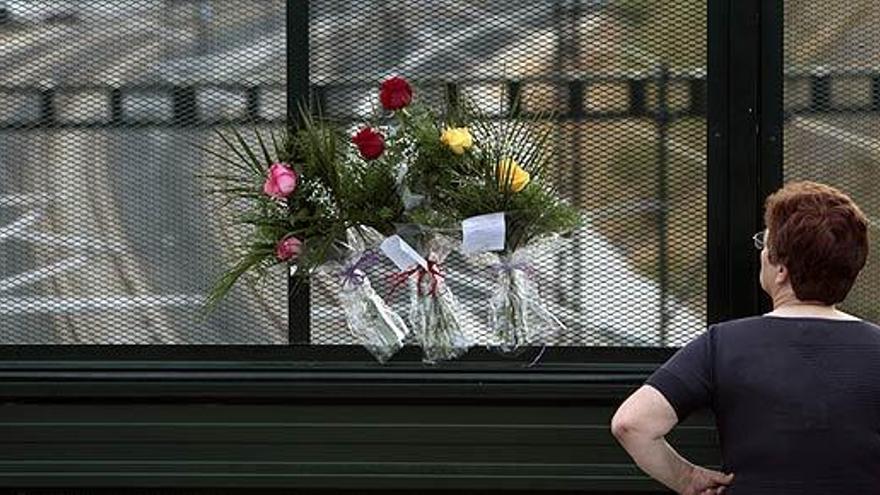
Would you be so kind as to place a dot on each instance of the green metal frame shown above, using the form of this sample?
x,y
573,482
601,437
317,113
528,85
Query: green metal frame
x,y
744,90
742,164
314,417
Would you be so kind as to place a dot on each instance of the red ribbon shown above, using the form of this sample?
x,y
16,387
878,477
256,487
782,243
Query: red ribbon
x,y
398,279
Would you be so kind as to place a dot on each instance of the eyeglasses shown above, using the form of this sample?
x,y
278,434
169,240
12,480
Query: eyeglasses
x,y
759,240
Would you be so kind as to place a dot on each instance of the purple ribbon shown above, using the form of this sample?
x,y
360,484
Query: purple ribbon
x,y
507,267
353,273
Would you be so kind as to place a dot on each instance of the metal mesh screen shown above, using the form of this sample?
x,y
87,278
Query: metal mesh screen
x,y
832,103
627,81
105,234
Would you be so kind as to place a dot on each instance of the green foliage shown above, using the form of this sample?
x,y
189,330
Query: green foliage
x,y
431,172
337,189
370,196
531,213
471,184
265,217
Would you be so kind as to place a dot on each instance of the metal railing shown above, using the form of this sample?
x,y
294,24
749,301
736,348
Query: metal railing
x,y
661,96
199,105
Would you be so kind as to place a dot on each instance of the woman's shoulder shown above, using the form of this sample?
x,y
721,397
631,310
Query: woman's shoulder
x,y
761,322
770,318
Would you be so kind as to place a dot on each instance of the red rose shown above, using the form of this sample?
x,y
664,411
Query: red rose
x,y
370,143
395,93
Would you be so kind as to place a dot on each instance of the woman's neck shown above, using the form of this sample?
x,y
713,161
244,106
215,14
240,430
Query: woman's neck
x,y
809,309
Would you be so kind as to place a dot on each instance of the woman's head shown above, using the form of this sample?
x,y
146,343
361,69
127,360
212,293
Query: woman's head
x,y
816,243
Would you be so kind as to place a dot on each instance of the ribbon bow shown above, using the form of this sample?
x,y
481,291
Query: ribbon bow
x,y
510,267
434,270
353,273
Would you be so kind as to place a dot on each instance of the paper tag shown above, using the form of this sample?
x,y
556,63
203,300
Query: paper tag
x,y
483,233
401,253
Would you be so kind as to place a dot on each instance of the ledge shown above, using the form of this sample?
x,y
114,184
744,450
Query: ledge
x,y
77,373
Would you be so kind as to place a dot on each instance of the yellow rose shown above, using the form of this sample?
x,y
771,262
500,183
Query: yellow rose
x,y
457,139
510,174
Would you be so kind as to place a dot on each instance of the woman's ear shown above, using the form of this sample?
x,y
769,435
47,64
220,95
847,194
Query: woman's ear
x,y
781,275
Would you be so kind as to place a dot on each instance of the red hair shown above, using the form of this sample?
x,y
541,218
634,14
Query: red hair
x,y
820,235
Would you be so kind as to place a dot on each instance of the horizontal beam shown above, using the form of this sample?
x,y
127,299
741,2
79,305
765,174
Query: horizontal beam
x,y
238,380
631,95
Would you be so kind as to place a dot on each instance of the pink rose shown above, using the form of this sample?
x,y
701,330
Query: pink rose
x,y
281,181
370,143
289,248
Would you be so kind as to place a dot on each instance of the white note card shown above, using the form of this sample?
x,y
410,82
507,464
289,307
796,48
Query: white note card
x,y
483,233
401,253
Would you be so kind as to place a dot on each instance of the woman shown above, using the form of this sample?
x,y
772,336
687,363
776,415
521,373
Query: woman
x,y
795,392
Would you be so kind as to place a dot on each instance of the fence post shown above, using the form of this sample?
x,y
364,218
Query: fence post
x,y
453,98
184,104
663,120
514,96
299,294
47,108
576,100
253,103
697,90
116,114
637,107
875,93
820,92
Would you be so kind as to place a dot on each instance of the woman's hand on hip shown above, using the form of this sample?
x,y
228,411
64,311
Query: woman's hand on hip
x,y
704,481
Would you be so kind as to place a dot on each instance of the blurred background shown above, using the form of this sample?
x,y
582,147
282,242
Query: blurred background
x,y
107,238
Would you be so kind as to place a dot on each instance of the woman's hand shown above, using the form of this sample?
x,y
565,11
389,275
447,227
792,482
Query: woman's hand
x,y
640,425
702,481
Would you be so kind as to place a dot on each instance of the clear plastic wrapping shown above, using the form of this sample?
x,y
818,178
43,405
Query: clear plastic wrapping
x,y
435,314
369,318
518,316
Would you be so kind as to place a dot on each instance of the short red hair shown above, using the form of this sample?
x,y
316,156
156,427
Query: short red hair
x,y
820,235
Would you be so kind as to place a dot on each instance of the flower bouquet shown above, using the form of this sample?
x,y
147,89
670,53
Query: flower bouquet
x,y
434,312
492,178
317,203
420,250
370,320
324,200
